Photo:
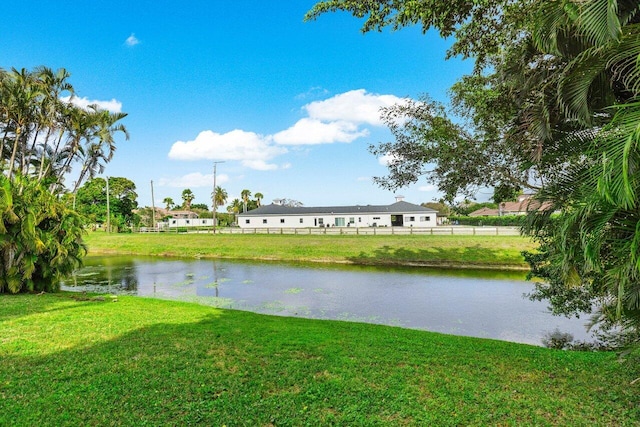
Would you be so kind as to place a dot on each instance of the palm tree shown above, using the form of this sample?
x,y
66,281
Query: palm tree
x,y
51,109
104,125
21,95
168,203
259,197
187,197
595,109
220,196
234,208
245,194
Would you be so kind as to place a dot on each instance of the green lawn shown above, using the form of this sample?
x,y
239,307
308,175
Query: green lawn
x,y
71,362
498,252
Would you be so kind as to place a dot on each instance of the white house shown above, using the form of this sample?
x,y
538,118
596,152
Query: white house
x,y
185,219
188,222
399,214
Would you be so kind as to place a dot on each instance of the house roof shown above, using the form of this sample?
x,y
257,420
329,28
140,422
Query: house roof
x,y
524,205
485,211
189,214
395,208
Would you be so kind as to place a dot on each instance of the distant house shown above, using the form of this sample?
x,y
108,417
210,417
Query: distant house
x,y
522,206
485,211
182,214
186,219
399,214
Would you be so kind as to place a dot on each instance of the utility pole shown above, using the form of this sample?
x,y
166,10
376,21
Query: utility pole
x,y
108,210
215,164
153,209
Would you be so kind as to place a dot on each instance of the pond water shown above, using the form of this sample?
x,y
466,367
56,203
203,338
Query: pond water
x,y
472,303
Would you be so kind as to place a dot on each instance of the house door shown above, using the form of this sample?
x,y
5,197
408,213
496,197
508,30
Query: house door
x,y
397,220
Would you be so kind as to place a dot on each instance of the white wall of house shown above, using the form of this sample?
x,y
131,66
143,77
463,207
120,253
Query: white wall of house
x,y
190,222
418,219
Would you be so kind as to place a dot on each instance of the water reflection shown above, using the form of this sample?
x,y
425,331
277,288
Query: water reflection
x,y
474,303
106,274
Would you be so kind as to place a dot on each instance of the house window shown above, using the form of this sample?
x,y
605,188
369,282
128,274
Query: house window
x,y
246,221
352,220
281,220
376,217
339,222
359,219
187,221
412,218
321,222
301,220
425,218
264,221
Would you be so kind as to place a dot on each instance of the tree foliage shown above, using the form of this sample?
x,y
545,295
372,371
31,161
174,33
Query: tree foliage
x,y
553,107
187,198
91,201
40,238
44,137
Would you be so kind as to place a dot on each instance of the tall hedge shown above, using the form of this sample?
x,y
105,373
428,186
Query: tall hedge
x,y
494,221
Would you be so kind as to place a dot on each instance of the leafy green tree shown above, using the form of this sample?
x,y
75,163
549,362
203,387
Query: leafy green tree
x,y
506,193
187,198
91,201
442,208
43,137
40,238
199,207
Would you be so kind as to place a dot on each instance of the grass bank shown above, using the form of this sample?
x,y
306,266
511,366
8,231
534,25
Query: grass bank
x,y
69,362
496,252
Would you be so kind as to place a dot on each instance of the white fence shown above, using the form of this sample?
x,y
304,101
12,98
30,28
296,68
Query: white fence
x,y
364,231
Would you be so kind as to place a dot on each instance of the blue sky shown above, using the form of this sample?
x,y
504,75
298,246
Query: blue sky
x,y
290,107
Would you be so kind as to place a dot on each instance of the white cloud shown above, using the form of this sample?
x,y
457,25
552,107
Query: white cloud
x,y
314,92
356,106
310,131
260,165
193,180
427,188
340,118
132,40
388,159
114,106
251,149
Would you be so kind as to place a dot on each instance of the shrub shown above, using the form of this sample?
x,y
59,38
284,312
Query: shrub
x,y
40,239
